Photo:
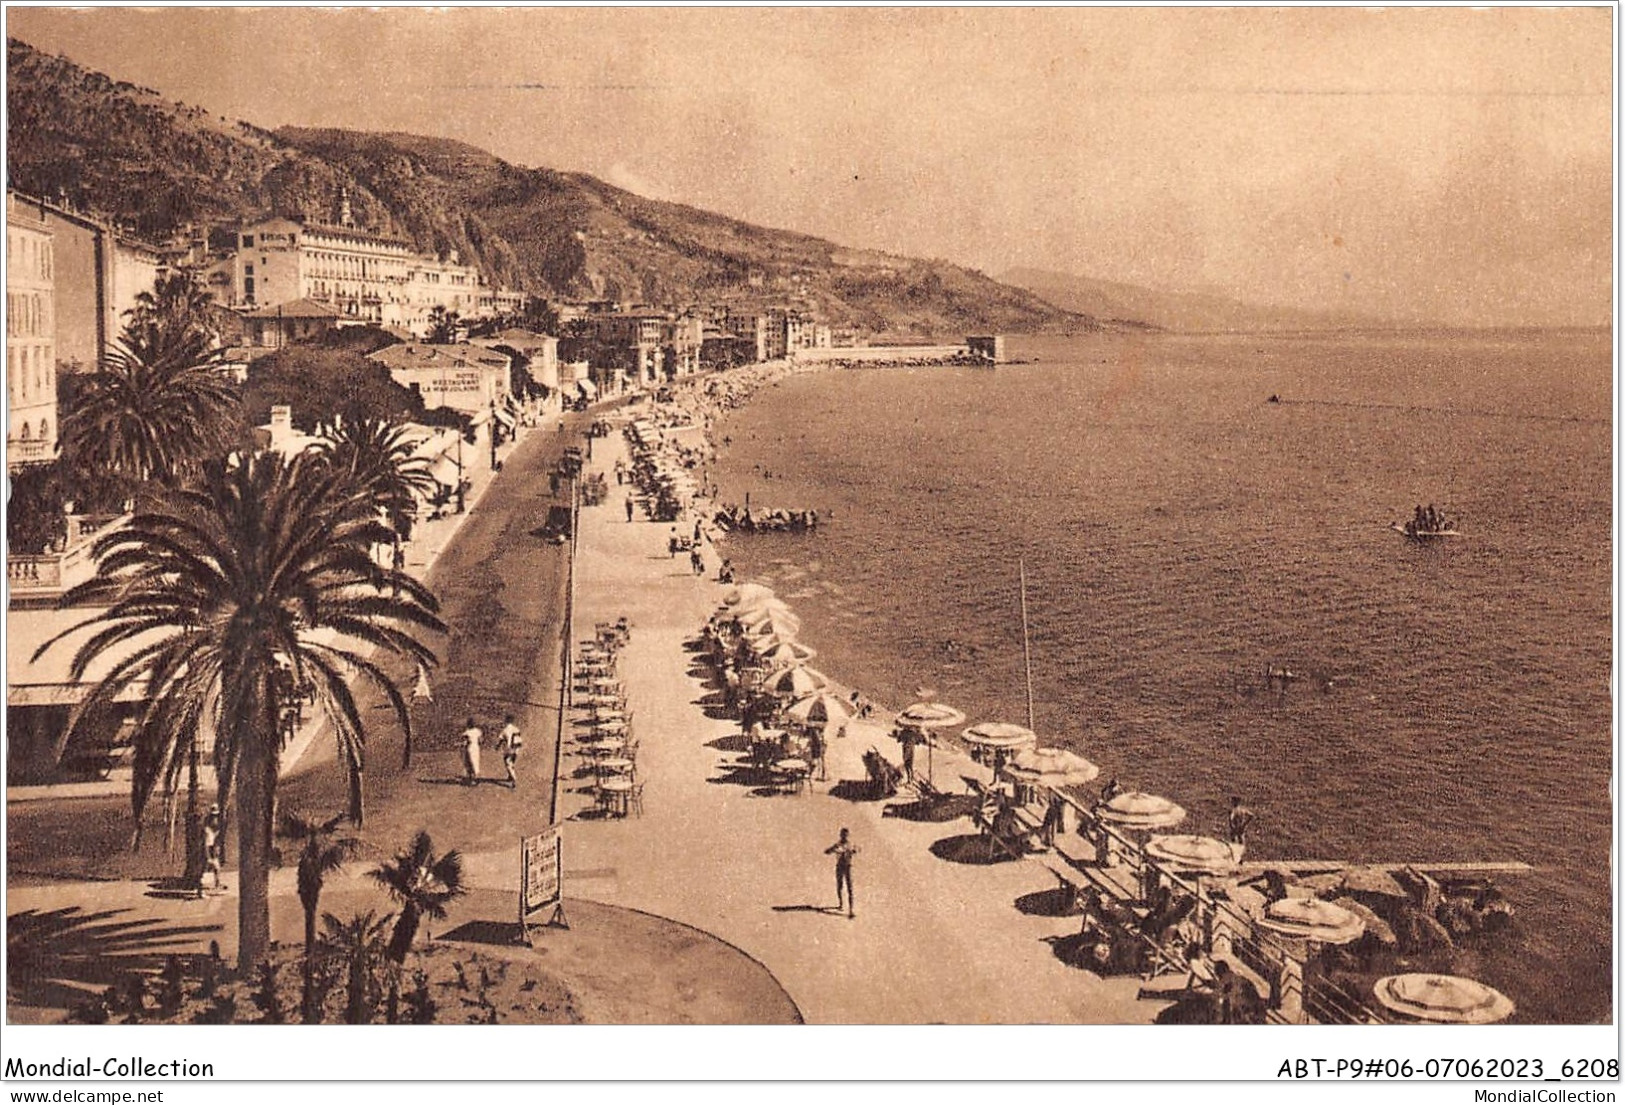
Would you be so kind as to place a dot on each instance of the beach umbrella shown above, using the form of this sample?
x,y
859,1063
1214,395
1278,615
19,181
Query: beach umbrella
x,y
778,625
999,734
755,613
1135,809
1442,999
779,652
820,706
747,592
1375,926
929,715
1202,855
1313,919
798,681
1050,767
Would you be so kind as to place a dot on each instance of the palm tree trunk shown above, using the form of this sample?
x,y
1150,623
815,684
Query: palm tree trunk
x,y
406,931
194,821
256,794
307,1000
356,772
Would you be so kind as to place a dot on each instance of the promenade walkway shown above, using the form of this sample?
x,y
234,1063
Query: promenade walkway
x,y
933,941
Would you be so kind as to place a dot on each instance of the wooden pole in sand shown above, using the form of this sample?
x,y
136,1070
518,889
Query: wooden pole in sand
x,y
1026,645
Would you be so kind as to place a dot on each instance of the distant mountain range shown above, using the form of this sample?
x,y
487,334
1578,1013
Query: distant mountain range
x,y
158,165
1185,312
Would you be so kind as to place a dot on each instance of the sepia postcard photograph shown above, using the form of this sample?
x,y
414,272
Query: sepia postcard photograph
x,y
648,516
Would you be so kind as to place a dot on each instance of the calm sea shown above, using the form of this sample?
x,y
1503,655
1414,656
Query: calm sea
x,y
1181,534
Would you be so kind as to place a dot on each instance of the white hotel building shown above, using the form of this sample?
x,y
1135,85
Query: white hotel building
x,y
367,278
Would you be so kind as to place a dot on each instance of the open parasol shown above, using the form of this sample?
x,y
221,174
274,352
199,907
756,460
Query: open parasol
x,y
1442,999
929,715
1135,809
820,707
798,681
766,610
780,652
747,592
777,625
1202,855
1050,767
1313,919
1000,734
1375,926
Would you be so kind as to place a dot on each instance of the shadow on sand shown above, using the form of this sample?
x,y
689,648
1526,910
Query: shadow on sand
x,y
950,807
54,958
1057,902
500,933
968,848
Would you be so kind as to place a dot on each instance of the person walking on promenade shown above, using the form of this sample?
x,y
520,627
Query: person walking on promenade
x,y
672,543
629,508
843,850
1240,818
212,851
696,560
509,742
471,752
815,751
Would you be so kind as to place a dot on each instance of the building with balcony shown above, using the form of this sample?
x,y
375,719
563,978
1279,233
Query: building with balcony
x,y
30,337
97,274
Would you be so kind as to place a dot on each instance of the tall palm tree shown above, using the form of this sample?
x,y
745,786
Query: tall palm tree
x,y
150,415
378,456
157,404
321,853
424,884
266,560
178,309
359,942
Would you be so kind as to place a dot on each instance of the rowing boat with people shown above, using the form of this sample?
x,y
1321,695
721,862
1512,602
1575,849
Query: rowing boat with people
x,y
1422,533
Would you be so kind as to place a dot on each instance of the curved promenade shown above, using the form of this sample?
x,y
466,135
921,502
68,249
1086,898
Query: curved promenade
x,y
934,941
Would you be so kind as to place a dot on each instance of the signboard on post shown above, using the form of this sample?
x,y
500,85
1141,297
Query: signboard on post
x,y
541,878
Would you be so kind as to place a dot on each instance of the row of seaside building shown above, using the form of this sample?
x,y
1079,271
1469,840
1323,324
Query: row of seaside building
x,y
71,277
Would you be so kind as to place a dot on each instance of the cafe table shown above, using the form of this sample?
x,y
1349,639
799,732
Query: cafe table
x,y
614,793
796,771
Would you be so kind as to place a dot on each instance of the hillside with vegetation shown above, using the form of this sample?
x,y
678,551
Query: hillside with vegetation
x,y
156,166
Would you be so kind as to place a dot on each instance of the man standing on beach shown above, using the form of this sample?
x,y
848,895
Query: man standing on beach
x,y
843,850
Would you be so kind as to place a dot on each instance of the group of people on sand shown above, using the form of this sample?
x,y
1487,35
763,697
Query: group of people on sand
x,y
733,518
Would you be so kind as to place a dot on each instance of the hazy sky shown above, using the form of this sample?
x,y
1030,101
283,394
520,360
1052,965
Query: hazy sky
x,y
1443,164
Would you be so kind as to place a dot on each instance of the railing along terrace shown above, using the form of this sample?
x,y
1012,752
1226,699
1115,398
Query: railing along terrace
x,y
1226,929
